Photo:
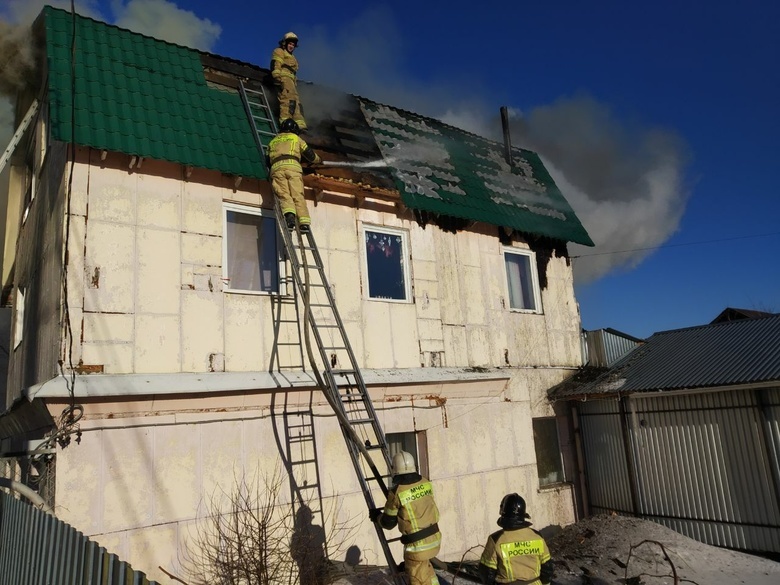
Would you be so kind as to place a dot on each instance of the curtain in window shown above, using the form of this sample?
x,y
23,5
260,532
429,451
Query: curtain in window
x,y
252,260
518,275
384,256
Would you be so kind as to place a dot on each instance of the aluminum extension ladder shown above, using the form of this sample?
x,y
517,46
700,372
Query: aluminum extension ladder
x,y
343,383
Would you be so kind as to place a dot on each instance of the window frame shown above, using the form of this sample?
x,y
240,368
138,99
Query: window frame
x,y
419,452
536,293
560,468
406,265
261,212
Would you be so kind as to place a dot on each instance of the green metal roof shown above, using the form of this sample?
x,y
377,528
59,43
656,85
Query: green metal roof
x,y
144,97
445,170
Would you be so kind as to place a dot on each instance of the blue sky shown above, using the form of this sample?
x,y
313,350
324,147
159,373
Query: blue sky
x,y
659,120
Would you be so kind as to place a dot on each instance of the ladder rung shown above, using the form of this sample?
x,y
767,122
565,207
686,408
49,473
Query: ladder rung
x,y
303,462
361,421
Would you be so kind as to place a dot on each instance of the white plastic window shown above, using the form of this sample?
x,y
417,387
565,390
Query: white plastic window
x,y
251,251
522,281
387,264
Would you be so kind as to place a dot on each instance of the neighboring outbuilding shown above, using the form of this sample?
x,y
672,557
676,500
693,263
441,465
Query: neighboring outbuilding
x,y
685,430
155,358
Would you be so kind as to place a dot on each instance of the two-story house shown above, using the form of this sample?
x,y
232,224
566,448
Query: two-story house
x,y
151,359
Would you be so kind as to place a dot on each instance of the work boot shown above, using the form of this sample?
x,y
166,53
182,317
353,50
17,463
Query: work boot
x,y
305,228
290,219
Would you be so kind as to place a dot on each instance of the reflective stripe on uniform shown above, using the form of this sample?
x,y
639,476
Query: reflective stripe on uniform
x,y
406,497
284,151
529,548
423,545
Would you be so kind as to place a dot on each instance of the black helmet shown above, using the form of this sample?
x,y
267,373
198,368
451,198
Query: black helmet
x,y
512,511
290,125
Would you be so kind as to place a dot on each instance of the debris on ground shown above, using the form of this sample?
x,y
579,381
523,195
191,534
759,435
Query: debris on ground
x,y
619,550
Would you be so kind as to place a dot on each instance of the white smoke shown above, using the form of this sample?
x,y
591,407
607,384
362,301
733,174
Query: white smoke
x,y
625,182
166,21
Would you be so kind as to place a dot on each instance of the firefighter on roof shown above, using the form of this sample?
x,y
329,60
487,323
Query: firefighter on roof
x,y
285,152
284,70
410,504
517,553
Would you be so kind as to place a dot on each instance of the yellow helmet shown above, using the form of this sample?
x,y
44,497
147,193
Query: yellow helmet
x,y
289,37
403,462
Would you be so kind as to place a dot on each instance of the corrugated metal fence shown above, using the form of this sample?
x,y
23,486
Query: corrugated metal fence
x,y
36,548
706,465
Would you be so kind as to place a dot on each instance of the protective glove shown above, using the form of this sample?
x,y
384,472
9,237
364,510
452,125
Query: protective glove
x,y
374,514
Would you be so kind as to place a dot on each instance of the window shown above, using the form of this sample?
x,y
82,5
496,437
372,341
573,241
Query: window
x,y
521,280
412,442
251,253
387,268
549,465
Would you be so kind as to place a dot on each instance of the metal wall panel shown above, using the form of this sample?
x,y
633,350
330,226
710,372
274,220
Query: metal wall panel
x,y
605,457
36,547
602,348
705,465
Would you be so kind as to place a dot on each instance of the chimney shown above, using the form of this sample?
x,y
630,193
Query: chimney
x,y
507,140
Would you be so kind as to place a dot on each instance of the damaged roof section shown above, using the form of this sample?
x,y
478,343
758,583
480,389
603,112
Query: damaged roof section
x,y
150,98
445,170
732,353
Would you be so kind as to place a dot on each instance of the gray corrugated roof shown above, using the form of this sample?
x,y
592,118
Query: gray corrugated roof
x,y
723,354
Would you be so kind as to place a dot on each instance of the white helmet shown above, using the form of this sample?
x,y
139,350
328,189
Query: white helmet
x,y
289,37
403,462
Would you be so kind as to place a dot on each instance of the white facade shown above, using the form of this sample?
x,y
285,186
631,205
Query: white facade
x,y
175,380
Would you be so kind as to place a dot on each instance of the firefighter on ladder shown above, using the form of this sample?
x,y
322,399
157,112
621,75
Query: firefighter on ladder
x,y
285,152
411,506
284,70
517,553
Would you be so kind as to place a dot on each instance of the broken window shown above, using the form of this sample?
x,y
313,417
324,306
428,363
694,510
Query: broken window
x,y
251,251
549,465
522,282
386,264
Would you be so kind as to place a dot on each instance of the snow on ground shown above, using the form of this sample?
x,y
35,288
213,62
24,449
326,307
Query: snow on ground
x,y
598,551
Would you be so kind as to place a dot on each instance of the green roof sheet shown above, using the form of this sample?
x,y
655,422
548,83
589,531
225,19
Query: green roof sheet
x,y
444,170
144,97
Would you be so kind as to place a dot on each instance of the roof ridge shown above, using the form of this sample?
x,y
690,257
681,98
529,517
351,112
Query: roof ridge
x,y
734,323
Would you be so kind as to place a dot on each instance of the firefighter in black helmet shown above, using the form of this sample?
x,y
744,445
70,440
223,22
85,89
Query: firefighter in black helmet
x,y
517,553
286,151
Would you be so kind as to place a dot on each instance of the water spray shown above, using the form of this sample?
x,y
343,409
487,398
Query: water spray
x,y
359,165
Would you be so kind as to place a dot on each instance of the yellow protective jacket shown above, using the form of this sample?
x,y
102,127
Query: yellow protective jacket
x,y
412,507
286,151
517,556
283,64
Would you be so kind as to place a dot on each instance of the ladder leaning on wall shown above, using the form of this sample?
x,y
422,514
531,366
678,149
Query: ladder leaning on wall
x,y
336,368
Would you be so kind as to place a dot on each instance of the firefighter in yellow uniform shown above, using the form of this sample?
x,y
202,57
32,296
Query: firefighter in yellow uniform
x,y
285,152
411,506
284,70
517,553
